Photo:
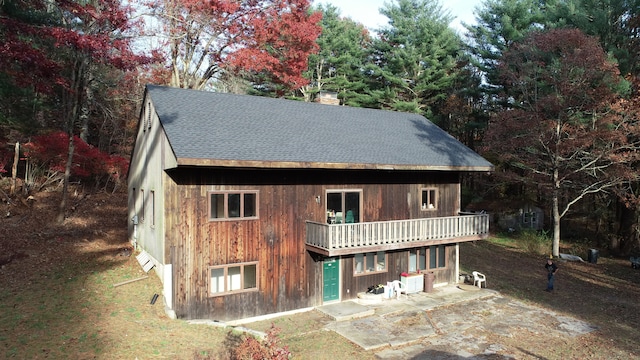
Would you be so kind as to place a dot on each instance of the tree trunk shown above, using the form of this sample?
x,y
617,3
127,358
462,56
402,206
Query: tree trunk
x,y
65,184
627,232
85,109
14,169
73,100
556,215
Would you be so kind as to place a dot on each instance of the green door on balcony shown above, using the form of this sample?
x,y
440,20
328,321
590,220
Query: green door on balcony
x,y
331,279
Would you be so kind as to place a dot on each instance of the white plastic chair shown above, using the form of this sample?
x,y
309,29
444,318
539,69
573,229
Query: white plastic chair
x,y
399,288
478,279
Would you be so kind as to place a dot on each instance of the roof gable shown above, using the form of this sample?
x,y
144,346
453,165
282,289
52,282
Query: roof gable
x,y
208,128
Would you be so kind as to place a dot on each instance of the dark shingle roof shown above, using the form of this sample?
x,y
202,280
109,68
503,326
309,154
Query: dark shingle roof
x,y
209,125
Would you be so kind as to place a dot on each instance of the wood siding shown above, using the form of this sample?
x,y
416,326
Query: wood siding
x,y
149,158
398,262
290,277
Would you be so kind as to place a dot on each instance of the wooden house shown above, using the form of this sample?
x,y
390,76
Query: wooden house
x,y
251,205
510,216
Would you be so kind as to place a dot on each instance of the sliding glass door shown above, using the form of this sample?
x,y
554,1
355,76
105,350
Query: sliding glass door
x,y
344,206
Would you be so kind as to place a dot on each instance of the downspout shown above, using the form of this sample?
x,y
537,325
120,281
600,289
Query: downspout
x,y
134,220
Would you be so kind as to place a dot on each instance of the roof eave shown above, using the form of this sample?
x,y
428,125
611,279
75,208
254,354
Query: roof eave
x,y
323,165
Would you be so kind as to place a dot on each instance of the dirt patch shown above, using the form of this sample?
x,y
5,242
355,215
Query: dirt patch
x,y
409,320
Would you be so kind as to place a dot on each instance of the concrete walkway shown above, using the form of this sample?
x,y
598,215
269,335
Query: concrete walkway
x,y
395,322
452,322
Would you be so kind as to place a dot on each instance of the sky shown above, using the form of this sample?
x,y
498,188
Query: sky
x,y
366,11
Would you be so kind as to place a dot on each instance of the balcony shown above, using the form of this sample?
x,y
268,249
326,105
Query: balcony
x,y
344,239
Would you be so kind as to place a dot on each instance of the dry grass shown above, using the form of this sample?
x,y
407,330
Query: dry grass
x,y
57,298
606,294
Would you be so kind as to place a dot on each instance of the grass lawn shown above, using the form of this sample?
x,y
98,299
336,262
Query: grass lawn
x,y
58,300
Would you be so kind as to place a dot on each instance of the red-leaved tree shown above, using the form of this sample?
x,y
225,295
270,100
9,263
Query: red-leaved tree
x,y
89,164
204,38
58,48
37,35
562,133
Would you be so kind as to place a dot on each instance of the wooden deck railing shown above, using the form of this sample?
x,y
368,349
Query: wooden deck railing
x,y
340,239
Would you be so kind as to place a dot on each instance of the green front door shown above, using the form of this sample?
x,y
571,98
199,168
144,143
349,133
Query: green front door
x,y
331,278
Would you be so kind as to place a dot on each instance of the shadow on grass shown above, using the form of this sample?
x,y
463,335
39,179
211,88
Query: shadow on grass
x,y
604,294
52,296
435,354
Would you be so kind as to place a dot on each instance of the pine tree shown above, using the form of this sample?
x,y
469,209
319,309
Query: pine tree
x,y
415,57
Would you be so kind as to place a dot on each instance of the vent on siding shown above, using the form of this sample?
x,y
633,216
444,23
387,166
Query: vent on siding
x,y
149,116
145,261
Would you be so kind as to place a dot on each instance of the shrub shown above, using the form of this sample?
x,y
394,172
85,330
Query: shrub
x,y
50,152
535,242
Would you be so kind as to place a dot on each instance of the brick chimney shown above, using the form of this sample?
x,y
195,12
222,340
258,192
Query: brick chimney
x,y
328,98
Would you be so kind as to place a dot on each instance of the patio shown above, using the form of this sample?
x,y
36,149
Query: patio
x,y
407,327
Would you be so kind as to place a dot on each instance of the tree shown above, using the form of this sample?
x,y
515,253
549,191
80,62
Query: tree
x,y
48,152
628,195
500,24
92,33
62,42
461,114
415,56
339,64
613,22
58,53
25,42
26,70
561,133
270,40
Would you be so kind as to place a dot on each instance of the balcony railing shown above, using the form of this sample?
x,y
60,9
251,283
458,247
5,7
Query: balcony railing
x,y
342,239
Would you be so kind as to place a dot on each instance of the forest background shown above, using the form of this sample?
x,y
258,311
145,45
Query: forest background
x,y
545,90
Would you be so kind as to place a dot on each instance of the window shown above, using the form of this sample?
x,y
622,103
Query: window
x,y
152,199
233,278
343,206
371,262
429,199
425,258
142,205
437,258
530,217
233,205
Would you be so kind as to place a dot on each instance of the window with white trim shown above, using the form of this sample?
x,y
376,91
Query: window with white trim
x,y
371,262
429,199
233,278
233,205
